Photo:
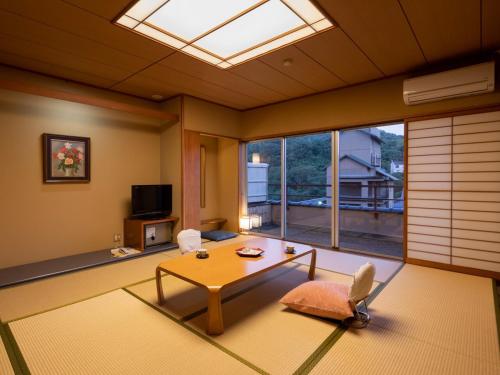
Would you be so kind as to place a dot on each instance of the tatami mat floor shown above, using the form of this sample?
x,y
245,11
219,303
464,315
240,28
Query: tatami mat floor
x,y
5,365
42,295
348,263
425,321
377,351
274,338
116,333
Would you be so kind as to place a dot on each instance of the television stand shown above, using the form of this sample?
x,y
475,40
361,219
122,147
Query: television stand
x,y
148,217
143,234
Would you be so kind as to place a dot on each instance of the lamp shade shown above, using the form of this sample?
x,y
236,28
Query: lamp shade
x,y
256,221
245,222
256,158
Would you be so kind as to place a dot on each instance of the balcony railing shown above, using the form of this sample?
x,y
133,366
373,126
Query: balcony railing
x,y
373,223
378,197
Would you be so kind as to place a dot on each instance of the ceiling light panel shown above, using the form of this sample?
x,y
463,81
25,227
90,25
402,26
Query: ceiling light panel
x,y
225,32
188,19
262,24
271,46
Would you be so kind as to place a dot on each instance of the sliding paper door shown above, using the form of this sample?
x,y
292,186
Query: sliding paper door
x,y
454,191
429,190
476,191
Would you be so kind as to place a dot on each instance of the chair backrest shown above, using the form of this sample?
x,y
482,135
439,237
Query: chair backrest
x,y
362,283
189,240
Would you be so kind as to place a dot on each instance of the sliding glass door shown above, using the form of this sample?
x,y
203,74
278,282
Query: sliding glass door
x,y
264,180
309,188
371,191
341,189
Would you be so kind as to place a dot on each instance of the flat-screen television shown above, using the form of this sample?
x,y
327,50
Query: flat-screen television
x,y
151,201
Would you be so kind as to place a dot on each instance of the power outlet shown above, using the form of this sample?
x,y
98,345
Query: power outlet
x,y
117,237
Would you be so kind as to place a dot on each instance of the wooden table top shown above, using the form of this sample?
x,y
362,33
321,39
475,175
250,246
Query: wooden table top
x,y
224,267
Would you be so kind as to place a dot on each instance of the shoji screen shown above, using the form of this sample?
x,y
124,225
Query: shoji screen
x,y
476,191
429,190
454,190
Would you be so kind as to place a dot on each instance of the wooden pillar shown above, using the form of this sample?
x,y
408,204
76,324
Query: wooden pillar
x,y
191,180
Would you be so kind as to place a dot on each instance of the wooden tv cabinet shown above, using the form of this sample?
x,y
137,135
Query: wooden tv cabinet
x,y
135,231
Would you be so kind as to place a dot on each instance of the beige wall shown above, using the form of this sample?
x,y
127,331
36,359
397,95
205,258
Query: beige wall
x,y
378,101
41,221
170,158
210,118
128,149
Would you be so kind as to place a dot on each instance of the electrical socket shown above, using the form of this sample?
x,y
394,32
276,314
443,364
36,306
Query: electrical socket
x,y
117,237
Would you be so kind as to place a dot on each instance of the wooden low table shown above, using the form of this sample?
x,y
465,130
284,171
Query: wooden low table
x,y
224,267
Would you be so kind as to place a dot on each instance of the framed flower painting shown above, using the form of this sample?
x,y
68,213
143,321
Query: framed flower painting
x,y
66,158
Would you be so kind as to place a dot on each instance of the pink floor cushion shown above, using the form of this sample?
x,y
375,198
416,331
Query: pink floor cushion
x,y
327,299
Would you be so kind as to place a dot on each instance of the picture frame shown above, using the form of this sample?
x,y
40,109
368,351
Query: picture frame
x,y
66,158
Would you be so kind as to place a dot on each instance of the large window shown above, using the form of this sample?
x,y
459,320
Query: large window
x,y
343,189
264,186
371,197
309,188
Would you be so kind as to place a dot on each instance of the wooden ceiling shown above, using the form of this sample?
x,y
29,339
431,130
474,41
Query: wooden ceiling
x,y
75,40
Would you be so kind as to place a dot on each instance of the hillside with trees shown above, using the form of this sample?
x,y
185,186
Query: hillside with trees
x,y
308,158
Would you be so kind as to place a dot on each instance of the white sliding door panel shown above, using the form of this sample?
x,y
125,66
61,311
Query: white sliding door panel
x,y
476,245
476,196
429,133
431,257
475,157
475,215
429,190
430,159
434,195
476,138
430,124
476,147
477,118
429,203
428,248
476,191
477,128
479,264
433,222
427,142
472,167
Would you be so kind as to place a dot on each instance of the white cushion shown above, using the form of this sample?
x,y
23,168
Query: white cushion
x,y
189,240
362,283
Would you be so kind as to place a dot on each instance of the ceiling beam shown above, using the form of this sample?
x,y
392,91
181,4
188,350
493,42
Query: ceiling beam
x,y
34,89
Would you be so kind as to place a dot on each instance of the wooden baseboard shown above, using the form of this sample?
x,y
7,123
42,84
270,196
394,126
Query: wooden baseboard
x,y
454,268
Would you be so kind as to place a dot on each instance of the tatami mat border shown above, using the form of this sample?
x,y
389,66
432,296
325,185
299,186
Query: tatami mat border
x,y
237,294
20,367
310,362
326,345
199,334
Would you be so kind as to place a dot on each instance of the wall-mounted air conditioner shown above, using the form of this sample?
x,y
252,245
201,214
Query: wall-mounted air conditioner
x,y
471,80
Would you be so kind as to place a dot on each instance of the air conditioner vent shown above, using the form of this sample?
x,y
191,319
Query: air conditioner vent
x,y
471,80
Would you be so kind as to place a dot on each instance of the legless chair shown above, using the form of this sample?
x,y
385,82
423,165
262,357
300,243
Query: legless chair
x,y
189,240
360,290
330,299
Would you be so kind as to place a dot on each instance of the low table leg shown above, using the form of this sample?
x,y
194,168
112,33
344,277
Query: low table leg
x,y
215,325
312,267
159,287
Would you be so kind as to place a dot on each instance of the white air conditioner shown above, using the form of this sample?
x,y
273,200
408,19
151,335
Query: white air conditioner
x,y
471,80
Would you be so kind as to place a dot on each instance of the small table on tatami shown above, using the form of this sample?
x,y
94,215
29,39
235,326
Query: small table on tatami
x,y
224,267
